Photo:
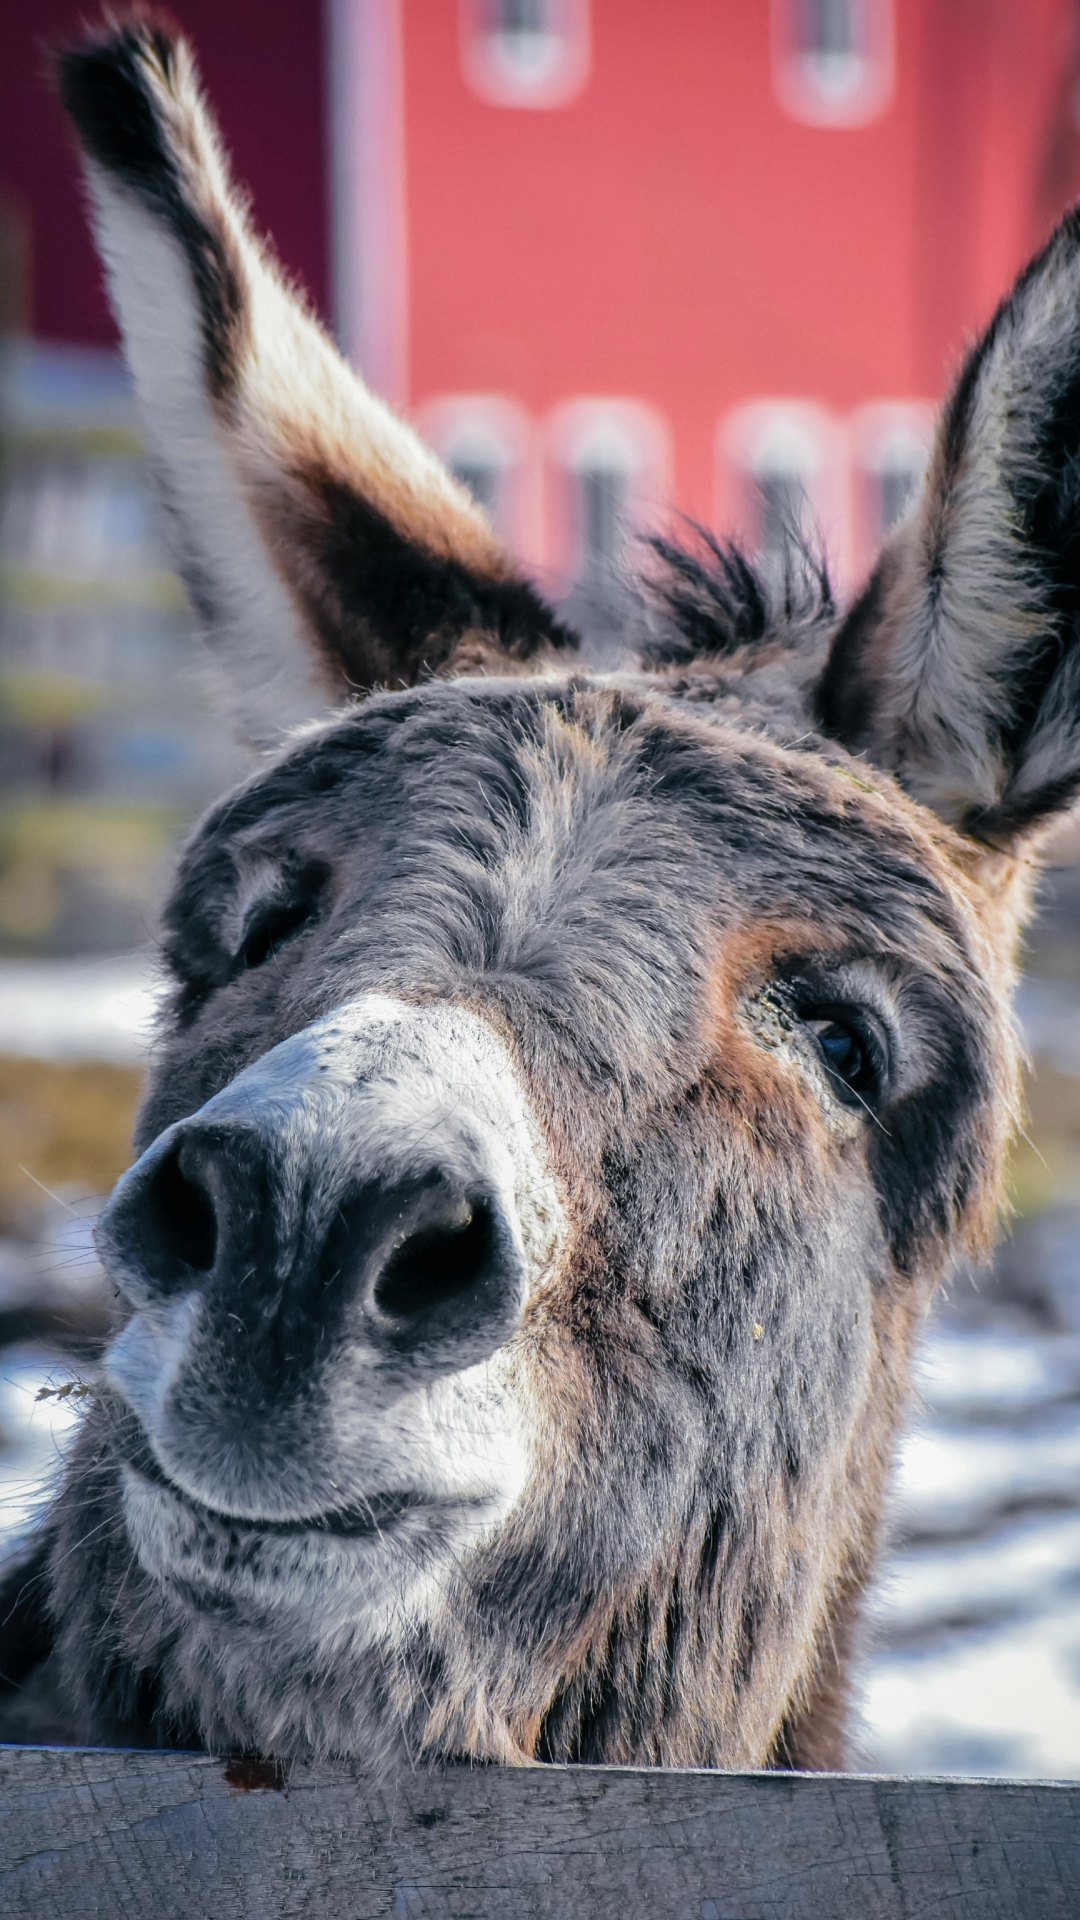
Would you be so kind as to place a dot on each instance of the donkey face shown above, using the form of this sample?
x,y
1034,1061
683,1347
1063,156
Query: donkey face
x,y
559,1099
572,1087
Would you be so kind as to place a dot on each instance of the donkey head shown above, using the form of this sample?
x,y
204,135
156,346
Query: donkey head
x,y
572,1087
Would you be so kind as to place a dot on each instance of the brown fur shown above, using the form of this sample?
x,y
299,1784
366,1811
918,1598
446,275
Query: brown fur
x,y
737,923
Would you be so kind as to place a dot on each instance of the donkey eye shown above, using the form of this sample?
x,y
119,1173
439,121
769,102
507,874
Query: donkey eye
x,y
852,1054
272,928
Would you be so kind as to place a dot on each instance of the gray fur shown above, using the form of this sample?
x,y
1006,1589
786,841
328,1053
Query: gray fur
x,y
573,1089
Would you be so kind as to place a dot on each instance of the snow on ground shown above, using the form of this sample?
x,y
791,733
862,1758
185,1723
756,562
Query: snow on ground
x,y
976,1617
78,1009
1002,1700
33,1431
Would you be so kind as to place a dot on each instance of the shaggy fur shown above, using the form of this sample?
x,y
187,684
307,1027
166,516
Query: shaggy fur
x,y
573,1087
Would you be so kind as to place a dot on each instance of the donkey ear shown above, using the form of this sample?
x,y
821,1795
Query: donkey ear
x,y
323,546
959,666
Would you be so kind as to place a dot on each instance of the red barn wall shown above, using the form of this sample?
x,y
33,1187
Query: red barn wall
x,y
670,236
263,63
674,234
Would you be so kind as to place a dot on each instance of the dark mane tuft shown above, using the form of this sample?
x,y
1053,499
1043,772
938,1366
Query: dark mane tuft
x,y
712,600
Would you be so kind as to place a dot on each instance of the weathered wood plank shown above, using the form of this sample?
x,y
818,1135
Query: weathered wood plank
x,y
121,1835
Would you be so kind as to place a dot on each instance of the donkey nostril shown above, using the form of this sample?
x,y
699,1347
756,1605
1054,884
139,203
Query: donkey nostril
x,y
179,1222
437,1262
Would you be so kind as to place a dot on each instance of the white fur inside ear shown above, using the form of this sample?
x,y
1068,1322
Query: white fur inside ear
x,y
269,673
973,599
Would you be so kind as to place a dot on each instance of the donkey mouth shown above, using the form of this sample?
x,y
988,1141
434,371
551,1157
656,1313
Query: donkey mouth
x,y
371,1518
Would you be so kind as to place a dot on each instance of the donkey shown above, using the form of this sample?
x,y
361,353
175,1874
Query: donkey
x,y
573,1085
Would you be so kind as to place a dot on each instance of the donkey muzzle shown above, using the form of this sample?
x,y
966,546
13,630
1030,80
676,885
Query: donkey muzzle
x,y
373,1184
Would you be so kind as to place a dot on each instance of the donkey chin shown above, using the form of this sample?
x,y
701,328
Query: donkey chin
x,y
381,1162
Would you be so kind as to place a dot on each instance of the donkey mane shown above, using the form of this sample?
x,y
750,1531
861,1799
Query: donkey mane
x,y
573,1085
714,600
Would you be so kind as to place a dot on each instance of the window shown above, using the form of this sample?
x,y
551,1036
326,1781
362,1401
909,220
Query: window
x,y
833,59
890,449
780,485
610,467
778,476
479,462
897,478
525,53
602,481
488,444
524,37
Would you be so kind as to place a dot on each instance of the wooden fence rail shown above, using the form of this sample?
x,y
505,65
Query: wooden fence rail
x,y
97,1832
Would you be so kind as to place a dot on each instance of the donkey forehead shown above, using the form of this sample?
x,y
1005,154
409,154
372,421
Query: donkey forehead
x,y
612,857
582,786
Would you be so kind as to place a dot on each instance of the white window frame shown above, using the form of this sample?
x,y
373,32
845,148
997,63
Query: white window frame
x,y
550,73
839,90
461,425
598,434
880,435
768,437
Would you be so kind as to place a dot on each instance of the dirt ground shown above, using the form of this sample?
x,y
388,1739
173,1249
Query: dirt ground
x,y
65,1125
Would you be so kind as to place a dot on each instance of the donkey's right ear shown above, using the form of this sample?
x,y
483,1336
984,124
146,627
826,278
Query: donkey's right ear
x,y
959,667
323,546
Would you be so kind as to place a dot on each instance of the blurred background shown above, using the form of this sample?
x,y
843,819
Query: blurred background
x,y
611,257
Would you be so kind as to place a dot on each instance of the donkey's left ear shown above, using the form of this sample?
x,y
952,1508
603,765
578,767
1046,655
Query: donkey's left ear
x,y
959,666
324,547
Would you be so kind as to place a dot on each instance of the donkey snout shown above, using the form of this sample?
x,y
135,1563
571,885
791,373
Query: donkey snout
x,y
439,1260
198,1201
425,1256
372,1181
